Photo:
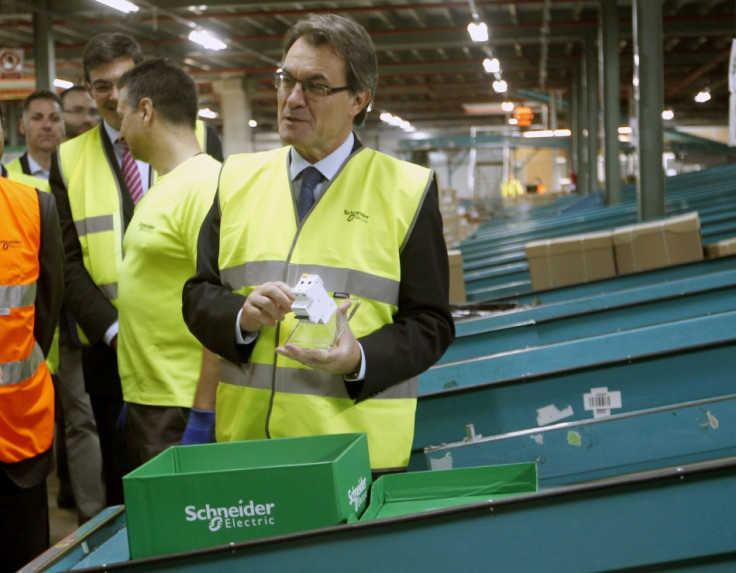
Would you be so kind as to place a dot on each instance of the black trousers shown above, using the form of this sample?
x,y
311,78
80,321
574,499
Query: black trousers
x,y
24,523
101,379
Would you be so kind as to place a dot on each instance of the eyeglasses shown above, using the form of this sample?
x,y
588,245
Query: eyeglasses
x,y
102,88
287,83
82,111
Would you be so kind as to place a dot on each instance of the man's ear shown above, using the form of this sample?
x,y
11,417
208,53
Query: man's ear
x,y
360,100
22,125
145,108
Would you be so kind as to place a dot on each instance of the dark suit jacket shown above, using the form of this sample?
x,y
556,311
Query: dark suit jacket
x,y
422,329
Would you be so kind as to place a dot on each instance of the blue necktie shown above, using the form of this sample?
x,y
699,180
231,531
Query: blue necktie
x,y
310,177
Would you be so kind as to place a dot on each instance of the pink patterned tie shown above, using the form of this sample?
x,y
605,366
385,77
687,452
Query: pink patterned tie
x,y
131,174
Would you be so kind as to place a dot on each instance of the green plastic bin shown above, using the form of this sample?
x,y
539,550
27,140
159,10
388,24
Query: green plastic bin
x,y
190,497
414,492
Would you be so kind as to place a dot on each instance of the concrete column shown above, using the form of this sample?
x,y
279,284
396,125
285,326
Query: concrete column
x,y
43,49
591,72
611,90
580,112
649,96
235,104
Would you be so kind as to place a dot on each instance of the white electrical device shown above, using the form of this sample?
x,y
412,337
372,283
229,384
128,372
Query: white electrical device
x,y
311,301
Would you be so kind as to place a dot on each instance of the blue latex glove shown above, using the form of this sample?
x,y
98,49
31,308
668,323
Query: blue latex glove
x,y
200,428
122,418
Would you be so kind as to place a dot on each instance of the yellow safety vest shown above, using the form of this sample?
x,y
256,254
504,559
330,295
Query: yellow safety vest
x,y
15,172
352,239
95,198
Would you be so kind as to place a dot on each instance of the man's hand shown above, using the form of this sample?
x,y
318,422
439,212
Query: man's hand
x,y
343,359
267,304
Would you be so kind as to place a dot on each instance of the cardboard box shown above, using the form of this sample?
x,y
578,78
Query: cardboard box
x,y
457,278
190,497
721,248
573,259
414,492
656,244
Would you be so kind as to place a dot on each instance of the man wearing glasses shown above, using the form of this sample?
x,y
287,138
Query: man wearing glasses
x,y
368,224
80,111
95,206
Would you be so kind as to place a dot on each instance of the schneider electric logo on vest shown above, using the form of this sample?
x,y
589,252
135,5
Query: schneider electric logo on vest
x,y
249,514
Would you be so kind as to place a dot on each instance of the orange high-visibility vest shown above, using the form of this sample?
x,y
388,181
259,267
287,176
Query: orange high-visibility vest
x,y
26,390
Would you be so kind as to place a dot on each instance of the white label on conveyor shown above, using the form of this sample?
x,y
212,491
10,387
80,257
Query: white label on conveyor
x,y
551,414
443,463
601,401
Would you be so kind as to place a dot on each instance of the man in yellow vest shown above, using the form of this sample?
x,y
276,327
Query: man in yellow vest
x,y
42,125
368,224
97,182
31,293
160,362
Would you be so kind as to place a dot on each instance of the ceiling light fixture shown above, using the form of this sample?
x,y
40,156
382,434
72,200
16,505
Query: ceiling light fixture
x,y
207,40
703,96
63,84
491,65
500,86
122,5
478,31
507,106
207,113
396,121
668,114
253,123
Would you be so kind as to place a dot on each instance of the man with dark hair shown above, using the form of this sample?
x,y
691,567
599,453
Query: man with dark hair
x,y
160,362
80,111
368,224
92,189
42,126
31,293
78,457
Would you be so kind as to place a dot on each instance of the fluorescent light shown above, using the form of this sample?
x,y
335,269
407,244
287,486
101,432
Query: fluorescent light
x,y
478,31
492,65
63,84
668,114
396,121
207,40
500,86
207,113
122,5
703,96
507,106
625,130
539,133
253,123
547,133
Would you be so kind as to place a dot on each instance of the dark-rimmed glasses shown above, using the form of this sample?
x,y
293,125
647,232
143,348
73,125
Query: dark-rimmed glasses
x,y
286,83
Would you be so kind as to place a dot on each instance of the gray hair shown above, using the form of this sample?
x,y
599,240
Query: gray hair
x,y
350,40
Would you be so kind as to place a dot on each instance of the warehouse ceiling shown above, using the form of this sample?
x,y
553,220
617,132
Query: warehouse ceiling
x,y
431,73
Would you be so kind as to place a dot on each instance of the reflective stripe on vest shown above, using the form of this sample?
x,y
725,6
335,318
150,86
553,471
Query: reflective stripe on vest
x,y
26,390
356,231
